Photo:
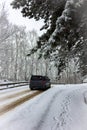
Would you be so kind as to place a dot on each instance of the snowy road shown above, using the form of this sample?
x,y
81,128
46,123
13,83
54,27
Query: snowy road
x,y
62,107
11,98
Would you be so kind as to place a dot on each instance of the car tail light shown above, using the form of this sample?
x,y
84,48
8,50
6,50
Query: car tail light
x,y
43,82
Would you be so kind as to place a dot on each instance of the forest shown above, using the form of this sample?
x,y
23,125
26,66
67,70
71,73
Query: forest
x,y
59,53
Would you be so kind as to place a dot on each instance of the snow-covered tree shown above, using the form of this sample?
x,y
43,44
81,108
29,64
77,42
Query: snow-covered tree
x,y
5,33
5,26
65,22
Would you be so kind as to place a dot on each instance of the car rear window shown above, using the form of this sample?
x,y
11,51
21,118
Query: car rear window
x,y
36,78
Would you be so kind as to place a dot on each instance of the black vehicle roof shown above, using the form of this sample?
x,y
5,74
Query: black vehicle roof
x,y
38,77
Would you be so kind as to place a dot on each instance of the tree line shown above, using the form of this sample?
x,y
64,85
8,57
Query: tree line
x,y
52,54
15,44
65,22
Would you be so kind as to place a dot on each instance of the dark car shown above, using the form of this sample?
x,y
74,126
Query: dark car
x,y
38,82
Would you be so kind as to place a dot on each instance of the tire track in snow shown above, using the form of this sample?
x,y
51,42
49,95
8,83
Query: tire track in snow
x,y
17,102
63,116
6,97
40,123
13,90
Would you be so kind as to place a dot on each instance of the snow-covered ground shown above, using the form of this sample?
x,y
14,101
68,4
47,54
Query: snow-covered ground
x,y
63,107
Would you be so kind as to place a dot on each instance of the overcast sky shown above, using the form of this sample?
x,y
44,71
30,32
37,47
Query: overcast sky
x,y
15,17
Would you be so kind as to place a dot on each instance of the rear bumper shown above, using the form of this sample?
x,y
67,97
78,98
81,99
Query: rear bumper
x,y
39,87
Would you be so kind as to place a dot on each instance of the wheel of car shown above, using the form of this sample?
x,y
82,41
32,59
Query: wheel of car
x,y
31,88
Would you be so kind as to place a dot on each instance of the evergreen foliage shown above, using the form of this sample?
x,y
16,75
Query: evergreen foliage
x,y
66,25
